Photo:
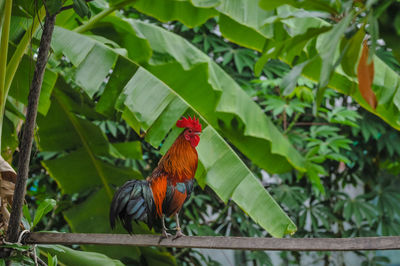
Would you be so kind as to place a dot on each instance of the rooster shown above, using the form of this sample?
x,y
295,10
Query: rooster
x,y
166,189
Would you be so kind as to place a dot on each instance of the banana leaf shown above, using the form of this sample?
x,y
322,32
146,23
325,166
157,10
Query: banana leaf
x,y
148,103
252,24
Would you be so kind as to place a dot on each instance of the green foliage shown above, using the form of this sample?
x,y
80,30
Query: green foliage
x,y
81,8
52,261
54,6
90,129
70,256
324,140
19,254
332,139
45,207
175,10
285,31
157,108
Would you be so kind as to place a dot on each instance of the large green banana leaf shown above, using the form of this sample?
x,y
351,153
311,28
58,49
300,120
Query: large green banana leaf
x,y
256,24
81,164
149,103
224,172
214,94
69,256
80,168
82,161
386,81
19,87
175,10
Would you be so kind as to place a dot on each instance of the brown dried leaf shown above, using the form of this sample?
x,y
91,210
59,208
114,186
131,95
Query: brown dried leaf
x,y
4,217
7,190
8,178
8,173
365,75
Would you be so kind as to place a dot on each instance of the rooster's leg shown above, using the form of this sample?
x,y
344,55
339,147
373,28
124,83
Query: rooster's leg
x,y
164,229
178,227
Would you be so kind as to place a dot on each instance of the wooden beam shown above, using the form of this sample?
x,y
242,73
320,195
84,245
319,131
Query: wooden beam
x,y
220,242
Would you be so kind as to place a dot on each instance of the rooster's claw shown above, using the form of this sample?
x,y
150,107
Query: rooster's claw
x,y
178,234
164,235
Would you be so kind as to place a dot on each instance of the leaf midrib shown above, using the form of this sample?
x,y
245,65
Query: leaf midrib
x,y
84,141
209,125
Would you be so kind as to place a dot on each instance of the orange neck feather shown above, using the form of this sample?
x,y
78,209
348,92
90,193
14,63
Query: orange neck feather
x,y
180,162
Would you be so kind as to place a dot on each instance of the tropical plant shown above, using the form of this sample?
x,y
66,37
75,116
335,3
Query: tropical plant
x,y
340,140
116,76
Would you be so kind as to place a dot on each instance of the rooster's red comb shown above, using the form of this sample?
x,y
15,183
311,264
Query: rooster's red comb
x,y
189,122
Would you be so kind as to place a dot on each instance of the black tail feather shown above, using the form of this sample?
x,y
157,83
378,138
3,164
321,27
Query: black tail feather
x,y
133,201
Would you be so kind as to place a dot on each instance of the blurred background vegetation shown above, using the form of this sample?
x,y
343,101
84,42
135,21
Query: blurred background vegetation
x,y
353,192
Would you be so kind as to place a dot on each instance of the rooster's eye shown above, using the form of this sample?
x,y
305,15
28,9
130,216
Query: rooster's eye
x,y
190,131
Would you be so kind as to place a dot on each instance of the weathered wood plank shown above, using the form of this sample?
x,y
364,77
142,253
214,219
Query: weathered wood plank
x,y
219,242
